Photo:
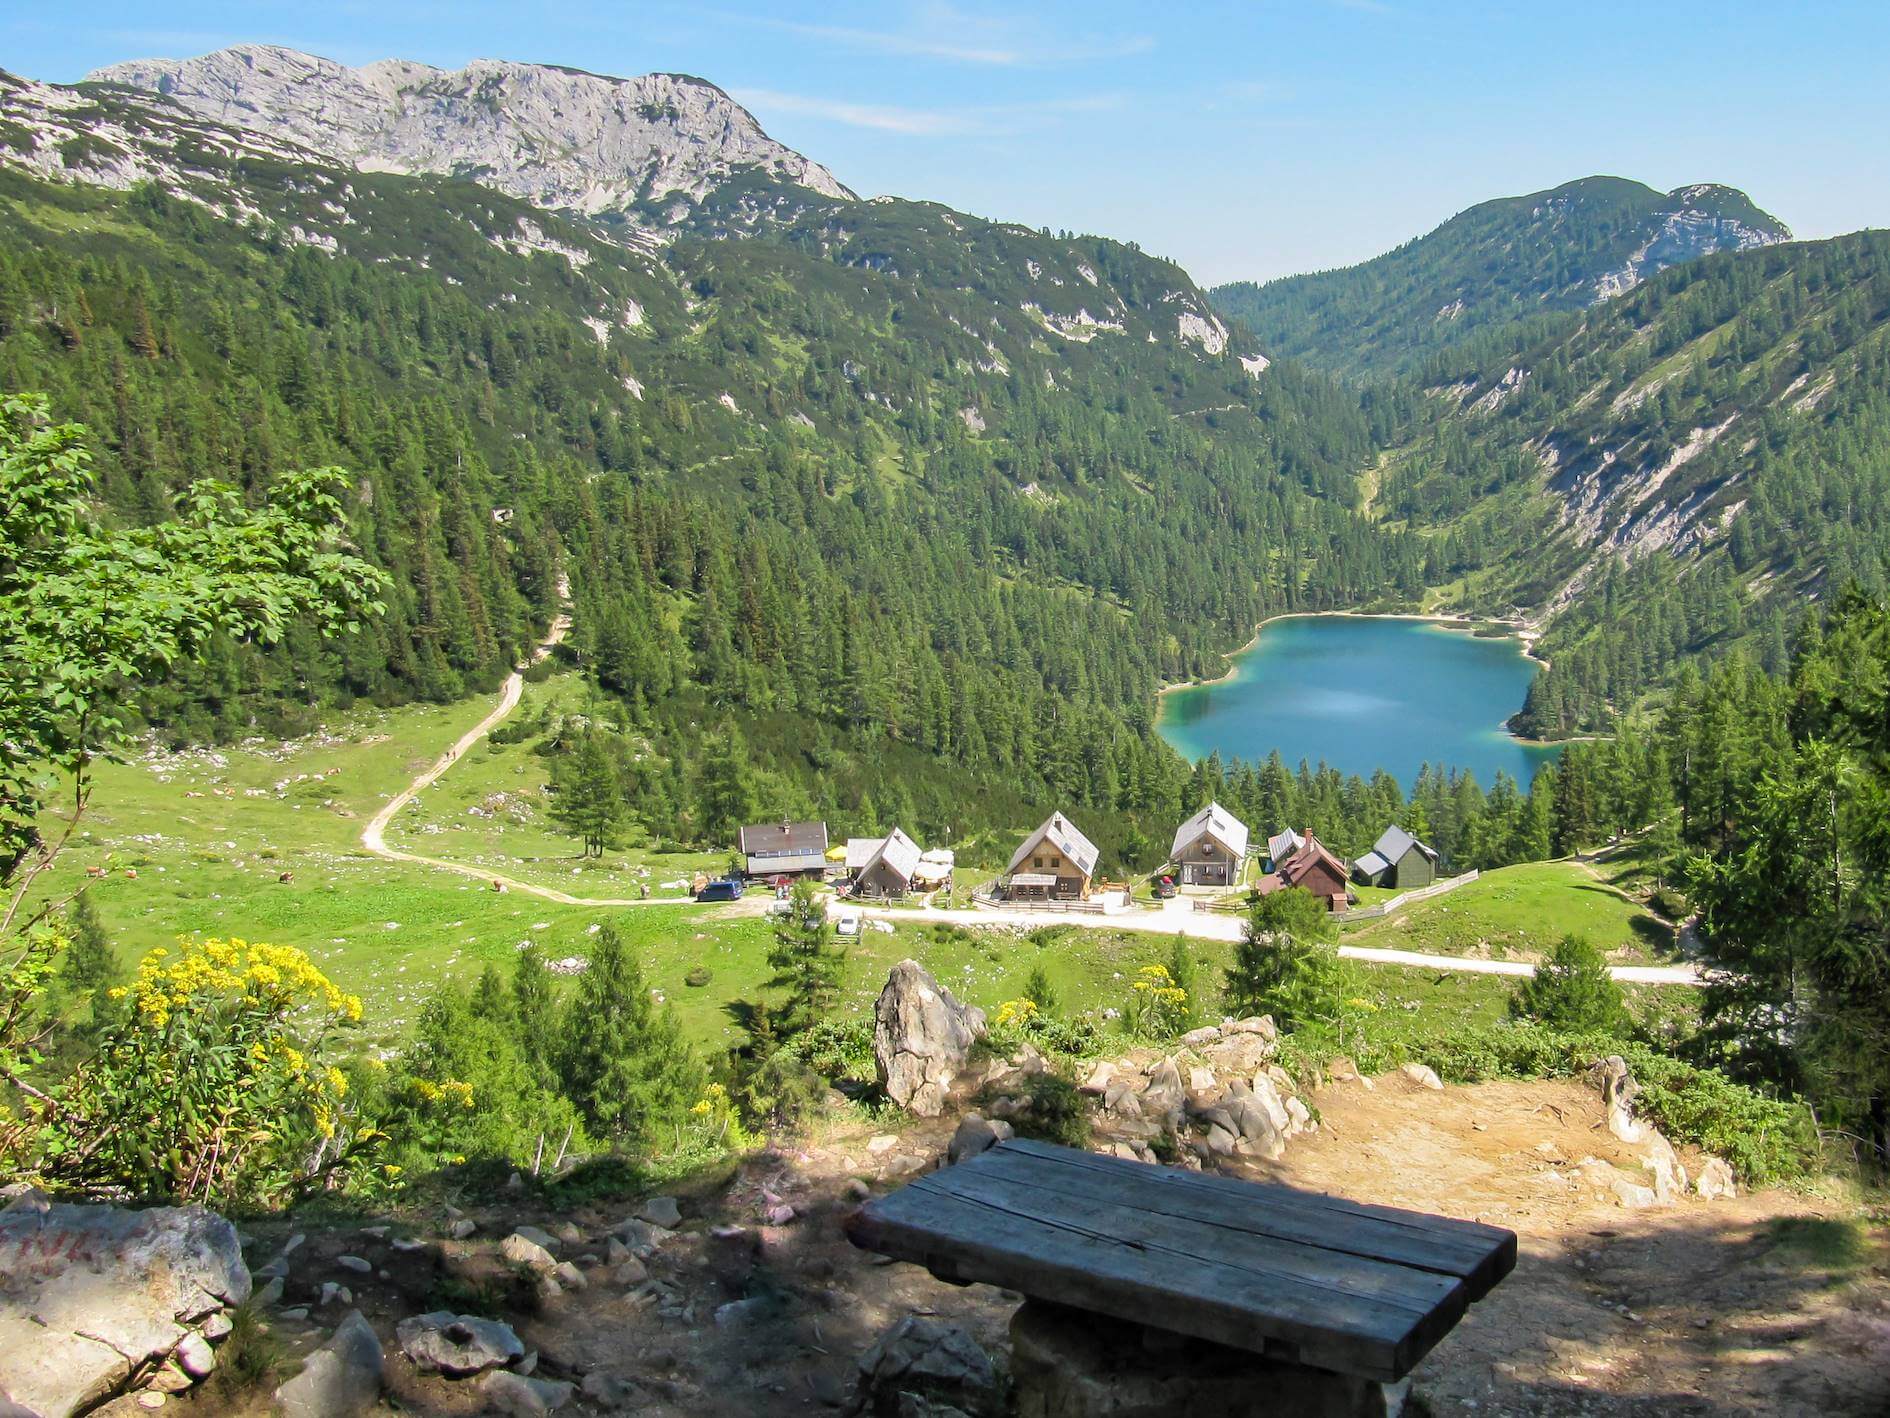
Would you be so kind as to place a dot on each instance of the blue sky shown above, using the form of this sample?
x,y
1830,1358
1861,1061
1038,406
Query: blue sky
x,y
1245,140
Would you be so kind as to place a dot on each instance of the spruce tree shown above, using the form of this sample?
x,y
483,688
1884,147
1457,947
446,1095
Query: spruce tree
x,y
1573,991
808,961
587,799
623,1060
1285,965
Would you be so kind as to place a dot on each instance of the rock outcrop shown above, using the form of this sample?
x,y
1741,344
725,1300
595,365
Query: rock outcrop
x,y
922,1038
93,1296
340,1379
559,138
921,1363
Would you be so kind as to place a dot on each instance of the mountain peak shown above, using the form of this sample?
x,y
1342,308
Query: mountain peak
x,y
1559,249
650,148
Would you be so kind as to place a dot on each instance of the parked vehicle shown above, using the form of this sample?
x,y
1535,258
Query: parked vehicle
x,y
1164,888
729,888
847,923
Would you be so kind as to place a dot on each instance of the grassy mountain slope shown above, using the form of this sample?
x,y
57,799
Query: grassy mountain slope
x,y
1499,261
907,498
1671,473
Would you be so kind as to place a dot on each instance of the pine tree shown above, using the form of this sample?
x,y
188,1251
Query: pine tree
x,y
623,1061
1573,991
587,799
1285,965
808,961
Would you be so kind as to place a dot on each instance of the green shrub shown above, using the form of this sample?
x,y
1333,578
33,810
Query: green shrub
x,y
1572,991
1057,1111
697,977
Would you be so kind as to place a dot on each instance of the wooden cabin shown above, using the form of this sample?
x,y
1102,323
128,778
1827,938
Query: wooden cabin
x,y
785,849
1055,863
889,870
1313,867
1397,860
1280,847
1210,848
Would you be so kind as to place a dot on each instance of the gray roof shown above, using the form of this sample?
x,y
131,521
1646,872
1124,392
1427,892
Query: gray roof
x,y
899,852
784,838
1396,843
1282,845
1371,864
1212,821
1060,833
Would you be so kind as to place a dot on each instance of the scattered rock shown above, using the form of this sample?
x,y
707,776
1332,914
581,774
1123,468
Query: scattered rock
x,y
975,1135
661,1211
1670,1177
457,1345
538,1237
1423,1076
1715,1180
356,1264
1099,1078
94,1292
195,1356
601,1390
883,1142
569,1276
462,1228
922,1038
1195,1038
520,1396
340,1379
521,1250
924,1358
1261,1024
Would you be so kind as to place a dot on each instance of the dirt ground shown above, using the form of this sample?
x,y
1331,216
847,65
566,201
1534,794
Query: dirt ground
x,y
1693,1307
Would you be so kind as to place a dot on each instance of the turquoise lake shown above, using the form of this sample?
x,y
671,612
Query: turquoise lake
x,y
1364,693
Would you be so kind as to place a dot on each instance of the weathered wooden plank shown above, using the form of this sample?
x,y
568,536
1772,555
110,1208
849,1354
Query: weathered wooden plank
x,y
966,1239
1299,1274
1479,1255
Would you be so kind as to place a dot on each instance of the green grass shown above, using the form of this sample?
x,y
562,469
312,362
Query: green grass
x,y
490,810
1519,912
207,835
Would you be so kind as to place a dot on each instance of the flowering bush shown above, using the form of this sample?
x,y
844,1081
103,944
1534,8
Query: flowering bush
x,y
213,1087
1157,1007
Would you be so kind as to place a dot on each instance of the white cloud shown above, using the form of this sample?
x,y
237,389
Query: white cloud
x,y
942,31
988,121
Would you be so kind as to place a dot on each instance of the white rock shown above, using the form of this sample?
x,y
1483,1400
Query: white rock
x,y
1423,1076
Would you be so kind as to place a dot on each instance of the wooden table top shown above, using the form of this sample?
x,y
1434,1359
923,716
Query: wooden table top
x,y
1293,1275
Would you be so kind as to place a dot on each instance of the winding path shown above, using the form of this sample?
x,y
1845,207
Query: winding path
x,y
374,835
1177,918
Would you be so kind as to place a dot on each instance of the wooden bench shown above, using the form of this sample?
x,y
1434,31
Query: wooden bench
x,y
1296,1277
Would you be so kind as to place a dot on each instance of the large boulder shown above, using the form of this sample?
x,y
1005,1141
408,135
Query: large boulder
x,y
341,1379
90,1295
457,1345
922,1038
922,1359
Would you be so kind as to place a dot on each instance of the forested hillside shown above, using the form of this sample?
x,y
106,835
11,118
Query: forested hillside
x,y
893,482
1688,466
1498,262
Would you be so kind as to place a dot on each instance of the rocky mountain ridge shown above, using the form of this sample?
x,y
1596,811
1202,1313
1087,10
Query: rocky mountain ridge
x,y
1562,249
648,149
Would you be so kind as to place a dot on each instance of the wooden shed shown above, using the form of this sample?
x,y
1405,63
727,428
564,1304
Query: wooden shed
x,y
1210,848
1056,862
785,849
1397,860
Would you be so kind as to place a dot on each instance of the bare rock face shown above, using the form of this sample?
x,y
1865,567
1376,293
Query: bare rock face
x,y
922,1038
91,1294
558,138
1715,1180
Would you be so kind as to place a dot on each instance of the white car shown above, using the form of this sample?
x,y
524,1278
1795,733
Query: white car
x,y
847,923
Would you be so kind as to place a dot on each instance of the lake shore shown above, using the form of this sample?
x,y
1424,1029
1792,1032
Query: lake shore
x,y
1517,630
1520,634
